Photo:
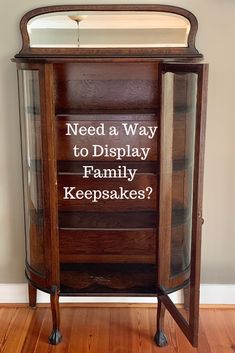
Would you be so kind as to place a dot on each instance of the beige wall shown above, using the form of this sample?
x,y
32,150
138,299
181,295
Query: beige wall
x,y
216,40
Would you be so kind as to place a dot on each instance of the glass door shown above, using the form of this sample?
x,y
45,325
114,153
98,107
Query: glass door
x,y
181,177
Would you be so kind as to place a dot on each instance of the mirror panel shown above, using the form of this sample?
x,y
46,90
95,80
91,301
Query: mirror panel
x,y
108,29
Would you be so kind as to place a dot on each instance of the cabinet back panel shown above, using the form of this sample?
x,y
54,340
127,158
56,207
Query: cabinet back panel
x,y
88,86
102,241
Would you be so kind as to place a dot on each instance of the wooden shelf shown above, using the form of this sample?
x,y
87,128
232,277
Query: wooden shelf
x,y
108,114
181,114
118,220
108,220
108,258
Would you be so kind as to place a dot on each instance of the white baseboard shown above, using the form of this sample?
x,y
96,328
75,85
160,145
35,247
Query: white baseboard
x,y
210,294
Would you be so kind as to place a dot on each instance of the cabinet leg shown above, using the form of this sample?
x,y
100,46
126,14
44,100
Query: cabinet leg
x,y
160,337
55,336
32,291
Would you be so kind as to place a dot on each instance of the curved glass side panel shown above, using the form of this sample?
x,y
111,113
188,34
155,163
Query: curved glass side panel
x,y
180,105
183,140
32,167
180,113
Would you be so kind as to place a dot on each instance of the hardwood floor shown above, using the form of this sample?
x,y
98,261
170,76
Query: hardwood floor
x,y
110,329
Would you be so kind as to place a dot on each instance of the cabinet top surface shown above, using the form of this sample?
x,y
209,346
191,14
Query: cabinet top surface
x,y
109,31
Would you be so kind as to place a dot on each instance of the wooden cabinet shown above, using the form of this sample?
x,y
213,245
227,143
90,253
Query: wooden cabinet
x,y
112,151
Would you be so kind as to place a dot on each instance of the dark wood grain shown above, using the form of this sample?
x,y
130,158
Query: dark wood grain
x,y
197,201
55,336
32,295
112,246
101,242
106,86
51,245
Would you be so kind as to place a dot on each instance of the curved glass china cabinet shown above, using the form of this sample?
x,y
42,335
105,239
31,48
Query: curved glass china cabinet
x,y
83,72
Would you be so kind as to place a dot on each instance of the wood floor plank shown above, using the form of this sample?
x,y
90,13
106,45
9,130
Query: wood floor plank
x,y
89,330
142,340
17,331
79,330
227,321
42,345
6,317
204,345
111,330
215,331
33,335
121,331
